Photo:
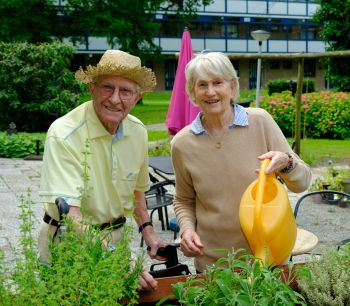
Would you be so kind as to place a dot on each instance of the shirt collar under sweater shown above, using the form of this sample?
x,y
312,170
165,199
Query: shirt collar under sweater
x,y
241,118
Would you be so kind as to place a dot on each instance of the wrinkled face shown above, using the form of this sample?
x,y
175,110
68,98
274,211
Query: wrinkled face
x,y
213,95
113,98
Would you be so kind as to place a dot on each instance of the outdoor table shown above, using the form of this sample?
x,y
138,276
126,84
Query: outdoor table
x,y
162,166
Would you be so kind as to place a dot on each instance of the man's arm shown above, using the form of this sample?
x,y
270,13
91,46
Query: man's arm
x,y
141,215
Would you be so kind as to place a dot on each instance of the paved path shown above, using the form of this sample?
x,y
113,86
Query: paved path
x,y
17,175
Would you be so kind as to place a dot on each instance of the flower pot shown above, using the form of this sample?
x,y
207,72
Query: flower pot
x,y
342,203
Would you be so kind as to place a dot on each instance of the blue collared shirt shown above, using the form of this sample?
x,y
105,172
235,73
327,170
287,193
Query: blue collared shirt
x,y
241,118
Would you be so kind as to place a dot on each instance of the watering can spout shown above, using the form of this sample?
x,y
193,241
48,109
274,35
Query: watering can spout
x,y
267,219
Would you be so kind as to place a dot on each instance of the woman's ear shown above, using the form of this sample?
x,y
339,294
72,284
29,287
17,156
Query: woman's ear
x,y
234,84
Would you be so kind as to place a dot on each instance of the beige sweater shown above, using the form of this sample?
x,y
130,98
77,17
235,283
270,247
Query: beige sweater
x,y
211,181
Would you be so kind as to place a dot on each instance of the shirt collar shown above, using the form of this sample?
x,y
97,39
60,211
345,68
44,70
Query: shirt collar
x,y
241,118
96,128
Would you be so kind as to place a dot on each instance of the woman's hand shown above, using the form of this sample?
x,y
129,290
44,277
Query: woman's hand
x,y
191,244
279,161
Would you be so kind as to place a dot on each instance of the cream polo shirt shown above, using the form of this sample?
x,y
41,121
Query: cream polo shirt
x,y
118,165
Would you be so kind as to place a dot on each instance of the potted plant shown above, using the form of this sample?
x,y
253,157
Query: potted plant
x,y
333,179
238,279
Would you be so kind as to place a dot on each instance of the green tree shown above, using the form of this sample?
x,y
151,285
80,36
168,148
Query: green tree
x,y
27,20
335,16
127,24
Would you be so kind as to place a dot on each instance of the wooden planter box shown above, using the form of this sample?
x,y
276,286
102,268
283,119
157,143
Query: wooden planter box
x,y
165,288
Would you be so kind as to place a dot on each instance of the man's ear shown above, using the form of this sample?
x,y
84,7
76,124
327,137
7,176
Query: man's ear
x,y
137,97
91,88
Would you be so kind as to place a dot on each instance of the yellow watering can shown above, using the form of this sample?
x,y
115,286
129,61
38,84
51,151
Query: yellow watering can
x,y
267,219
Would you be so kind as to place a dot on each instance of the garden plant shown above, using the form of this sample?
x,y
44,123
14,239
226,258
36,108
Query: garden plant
x,y
81,271
326,281
240,279
325,114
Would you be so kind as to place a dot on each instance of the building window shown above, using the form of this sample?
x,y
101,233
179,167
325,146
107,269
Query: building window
x,y
235,64
274,64
197,29
232,31
214,30
170,27
170,72
310,68
287,64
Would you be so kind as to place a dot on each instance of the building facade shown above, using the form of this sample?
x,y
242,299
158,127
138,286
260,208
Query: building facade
x,y
226,26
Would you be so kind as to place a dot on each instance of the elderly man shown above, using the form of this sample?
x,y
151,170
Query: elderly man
x,y
117,159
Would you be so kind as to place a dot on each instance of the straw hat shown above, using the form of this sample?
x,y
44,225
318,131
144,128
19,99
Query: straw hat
x,y
119,63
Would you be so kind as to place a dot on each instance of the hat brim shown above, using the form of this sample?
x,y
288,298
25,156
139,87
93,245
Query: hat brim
x,y
142,76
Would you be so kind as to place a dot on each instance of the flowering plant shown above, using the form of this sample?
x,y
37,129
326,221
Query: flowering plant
x,y
324,114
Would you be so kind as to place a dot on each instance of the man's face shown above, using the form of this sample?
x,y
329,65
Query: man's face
x,y
113,98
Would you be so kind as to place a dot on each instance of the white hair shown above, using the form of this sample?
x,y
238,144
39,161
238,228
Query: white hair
x,y
208,65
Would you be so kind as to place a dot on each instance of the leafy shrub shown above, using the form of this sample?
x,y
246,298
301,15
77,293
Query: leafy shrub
x,y
21,144
36,85
277,86
324,114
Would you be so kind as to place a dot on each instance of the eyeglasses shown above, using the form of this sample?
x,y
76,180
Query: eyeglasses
x,y
125,94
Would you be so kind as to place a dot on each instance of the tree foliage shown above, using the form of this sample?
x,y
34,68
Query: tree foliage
x,y
36,85
335,15
27,20
128,25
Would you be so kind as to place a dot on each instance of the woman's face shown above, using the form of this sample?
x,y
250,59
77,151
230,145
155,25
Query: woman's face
x,y
213,95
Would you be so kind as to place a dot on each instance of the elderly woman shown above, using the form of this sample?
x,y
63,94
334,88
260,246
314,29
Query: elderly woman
x,y
215,159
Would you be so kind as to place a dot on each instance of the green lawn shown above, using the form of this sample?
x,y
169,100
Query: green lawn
x,y
319,151
154,107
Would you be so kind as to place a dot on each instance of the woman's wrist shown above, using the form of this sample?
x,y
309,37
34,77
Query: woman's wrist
x,y
290,164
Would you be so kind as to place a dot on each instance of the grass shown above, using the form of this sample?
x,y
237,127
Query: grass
x,y
320,151
154,107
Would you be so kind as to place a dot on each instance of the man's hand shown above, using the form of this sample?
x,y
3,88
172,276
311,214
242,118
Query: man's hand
x,y
153,245
191,244
147,282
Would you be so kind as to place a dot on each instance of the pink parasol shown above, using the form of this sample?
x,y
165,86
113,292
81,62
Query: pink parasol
x,y
181,111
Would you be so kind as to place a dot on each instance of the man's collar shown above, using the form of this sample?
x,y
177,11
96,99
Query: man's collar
x,y
96,128
241,118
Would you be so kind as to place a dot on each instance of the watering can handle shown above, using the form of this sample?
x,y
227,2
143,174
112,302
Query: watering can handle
x,y
260,196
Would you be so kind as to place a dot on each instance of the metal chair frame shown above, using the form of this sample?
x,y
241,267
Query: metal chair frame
x,y
158,199
325,196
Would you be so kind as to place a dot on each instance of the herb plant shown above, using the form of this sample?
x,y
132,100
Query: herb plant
x,y
239,279
326,282
81,270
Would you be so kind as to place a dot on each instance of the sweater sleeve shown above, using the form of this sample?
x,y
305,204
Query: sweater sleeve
x,y
185,197
297,180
